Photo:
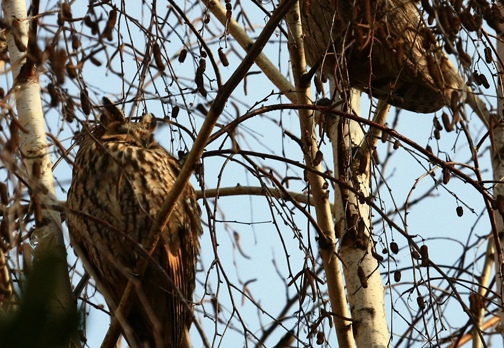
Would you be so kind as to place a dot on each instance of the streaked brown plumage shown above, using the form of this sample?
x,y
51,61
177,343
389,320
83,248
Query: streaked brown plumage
x,y
120,178
384,39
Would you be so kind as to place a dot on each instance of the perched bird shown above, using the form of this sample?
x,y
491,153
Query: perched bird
x,y
120,179
382,47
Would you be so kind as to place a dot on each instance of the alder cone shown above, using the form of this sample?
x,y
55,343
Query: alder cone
x,y
381,47
121,177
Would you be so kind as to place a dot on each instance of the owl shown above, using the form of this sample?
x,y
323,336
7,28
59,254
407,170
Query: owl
x,y
381,47
120,179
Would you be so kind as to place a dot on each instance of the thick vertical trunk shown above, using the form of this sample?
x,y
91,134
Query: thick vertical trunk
x,y
353,228
48,236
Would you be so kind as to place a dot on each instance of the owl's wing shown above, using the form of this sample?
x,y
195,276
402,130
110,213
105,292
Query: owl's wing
x,y
181,249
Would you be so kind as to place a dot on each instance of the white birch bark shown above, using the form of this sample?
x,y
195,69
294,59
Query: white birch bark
x,y
353,225
35,152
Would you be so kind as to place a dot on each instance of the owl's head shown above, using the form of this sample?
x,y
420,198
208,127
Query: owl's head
x,y
118,128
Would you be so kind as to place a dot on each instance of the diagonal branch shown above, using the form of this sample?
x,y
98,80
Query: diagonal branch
x,y
194,155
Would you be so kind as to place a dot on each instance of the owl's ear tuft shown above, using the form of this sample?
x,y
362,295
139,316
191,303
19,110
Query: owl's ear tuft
x,y
149,122
111,113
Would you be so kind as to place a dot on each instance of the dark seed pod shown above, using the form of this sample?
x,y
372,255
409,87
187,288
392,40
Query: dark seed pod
x,y
488,55
437,124
85,104
175,111
95,29
484,81
66,11
95,61
446,176
58,62
320,338
201,108
182,55
494,17
158,58
420,302
51,89
437,134
229,10
108,31
470,22
446,122
71,70
424,252
223,57
460,211
397,143
69,110
465,59
428,148
198,79
415,255
397,276
75,42
394,247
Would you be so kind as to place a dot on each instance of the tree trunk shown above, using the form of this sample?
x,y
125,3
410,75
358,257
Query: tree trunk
x,y
353,226
48,236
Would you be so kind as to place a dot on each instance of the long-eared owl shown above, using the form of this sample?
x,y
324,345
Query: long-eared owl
x,y
121,177
384,48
